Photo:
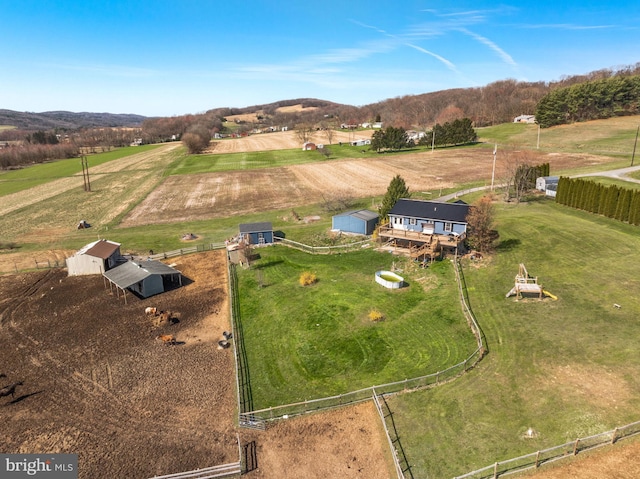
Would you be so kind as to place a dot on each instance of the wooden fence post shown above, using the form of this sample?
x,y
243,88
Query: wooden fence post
x,y
495,470
613,437
537,459
575,447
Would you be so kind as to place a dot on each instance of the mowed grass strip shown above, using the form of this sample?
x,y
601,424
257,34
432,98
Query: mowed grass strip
x,y
307,342
13,181
566,368
211,163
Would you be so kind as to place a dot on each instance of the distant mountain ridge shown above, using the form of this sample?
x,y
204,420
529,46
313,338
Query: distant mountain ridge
x,y
67,120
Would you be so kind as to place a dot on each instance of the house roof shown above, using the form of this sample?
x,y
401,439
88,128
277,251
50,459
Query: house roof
x,y
256,227
364,215
550,179
100,249
434,210
132,272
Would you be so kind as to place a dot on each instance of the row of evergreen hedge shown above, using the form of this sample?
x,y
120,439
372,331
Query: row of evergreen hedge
x,y
611,201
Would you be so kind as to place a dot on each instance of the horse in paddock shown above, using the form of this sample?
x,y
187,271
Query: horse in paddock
x,y
10,389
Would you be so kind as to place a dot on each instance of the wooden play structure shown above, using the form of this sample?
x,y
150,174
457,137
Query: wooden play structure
x,y
526,284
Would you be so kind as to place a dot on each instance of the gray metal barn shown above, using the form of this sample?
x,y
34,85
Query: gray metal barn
x,y
361,222
144,278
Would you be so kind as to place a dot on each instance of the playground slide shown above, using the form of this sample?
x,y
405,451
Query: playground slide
x,y
547,293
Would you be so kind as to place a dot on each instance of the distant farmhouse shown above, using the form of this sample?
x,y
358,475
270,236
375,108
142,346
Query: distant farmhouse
x,y
425,230
95,258
361,222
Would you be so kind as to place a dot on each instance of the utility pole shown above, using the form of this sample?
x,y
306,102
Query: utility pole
x,y
433,138
634,146
85,173
493,172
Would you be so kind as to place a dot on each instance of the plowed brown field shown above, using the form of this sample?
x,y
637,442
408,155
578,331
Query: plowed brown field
x,y
214,195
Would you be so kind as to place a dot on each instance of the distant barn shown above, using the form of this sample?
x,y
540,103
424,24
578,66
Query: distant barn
x,y
95,258
357,221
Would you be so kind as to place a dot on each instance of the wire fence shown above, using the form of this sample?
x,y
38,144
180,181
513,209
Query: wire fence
x,y
386,417
324,249
552,454
259,417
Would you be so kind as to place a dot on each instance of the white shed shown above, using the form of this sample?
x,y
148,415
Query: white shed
x,y
543,182
95,258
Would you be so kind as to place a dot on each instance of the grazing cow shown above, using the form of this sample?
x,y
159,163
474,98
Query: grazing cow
x,y
167,339
150,310
10,389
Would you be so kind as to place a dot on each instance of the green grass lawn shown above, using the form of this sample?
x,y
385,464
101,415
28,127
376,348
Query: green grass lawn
x,y
613,137
566,368
317,341
13,181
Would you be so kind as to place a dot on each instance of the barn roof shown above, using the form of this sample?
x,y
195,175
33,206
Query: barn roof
x,y
256,227
132,272
435,210
100,249
364,215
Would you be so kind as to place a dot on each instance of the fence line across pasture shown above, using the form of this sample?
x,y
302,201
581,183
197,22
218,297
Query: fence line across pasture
x,y
323,249
552,454
259,418
224,470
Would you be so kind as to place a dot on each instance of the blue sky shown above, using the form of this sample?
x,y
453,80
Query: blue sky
x,y
165,58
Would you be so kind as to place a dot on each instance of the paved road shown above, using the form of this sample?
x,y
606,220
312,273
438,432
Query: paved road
x,y
620,174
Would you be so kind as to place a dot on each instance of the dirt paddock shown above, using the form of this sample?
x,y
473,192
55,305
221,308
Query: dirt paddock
x,y
96,382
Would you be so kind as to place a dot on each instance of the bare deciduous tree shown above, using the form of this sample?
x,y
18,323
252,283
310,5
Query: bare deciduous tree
x,y
304,132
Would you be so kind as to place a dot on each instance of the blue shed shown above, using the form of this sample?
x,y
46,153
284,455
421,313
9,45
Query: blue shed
x,y
362,222
257,233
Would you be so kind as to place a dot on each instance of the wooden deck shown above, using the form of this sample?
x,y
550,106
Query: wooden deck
x,y
416,244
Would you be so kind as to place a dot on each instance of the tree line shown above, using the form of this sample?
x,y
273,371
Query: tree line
x,y
457,132
612,201
592,100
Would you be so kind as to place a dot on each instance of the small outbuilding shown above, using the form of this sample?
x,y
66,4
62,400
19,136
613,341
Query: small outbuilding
x,y
95,258
144,278
257,233
543,182
309,146
361,222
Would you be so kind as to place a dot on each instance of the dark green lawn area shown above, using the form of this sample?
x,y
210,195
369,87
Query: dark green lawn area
x,y
317,341
566,368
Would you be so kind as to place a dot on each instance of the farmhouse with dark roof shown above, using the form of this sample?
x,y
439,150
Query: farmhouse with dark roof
x,y
425,229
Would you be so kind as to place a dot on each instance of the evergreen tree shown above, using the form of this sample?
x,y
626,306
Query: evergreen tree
x,y
397,189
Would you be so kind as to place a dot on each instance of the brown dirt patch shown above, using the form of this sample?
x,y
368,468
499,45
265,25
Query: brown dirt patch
x,y
341,444
98,383
621,461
